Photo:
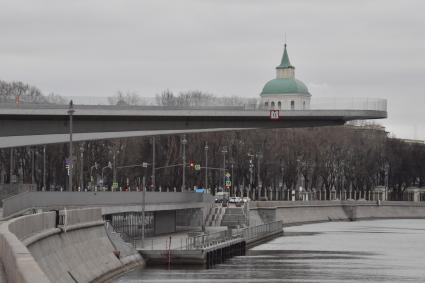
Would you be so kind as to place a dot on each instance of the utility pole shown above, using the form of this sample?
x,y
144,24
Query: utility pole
x,y
143,210
44,167
224,151
153,163
114,167
184,141
32,166
12,165
82,168
70,161
145,165
251,169
233,180
206,165
259,156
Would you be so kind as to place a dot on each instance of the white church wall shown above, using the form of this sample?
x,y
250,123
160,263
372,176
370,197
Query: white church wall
x,y
300,102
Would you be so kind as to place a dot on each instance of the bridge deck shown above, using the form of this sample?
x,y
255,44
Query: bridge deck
x,y
35,124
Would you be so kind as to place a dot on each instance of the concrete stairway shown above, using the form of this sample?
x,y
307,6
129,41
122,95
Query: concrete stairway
x,y
215,216
234,217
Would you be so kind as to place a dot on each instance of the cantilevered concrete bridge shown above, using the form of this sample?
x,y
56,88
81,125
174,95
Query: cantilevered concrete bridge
x,y
32,124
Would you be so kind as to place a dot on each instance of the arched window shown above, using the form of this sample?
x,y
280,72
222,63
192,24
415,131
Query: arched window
x,y
303,104
272,104
292,105
279,104
266,104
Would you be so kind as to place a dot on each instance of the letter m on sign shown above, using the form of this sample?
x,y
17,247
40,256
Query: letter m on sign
x,y
274,114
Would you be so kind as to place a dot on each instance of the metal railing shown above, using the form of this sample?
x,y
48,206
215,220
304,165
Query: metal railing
x,y
348,103
262,230
316,103
205,240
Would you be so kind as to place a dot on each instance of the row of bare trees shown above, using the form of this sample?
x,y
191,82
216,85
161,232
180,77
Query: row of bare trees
x,y
344,157
19,92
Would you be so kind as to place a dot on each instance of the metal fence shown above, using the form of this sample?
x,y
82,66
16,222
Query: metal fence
x,y
348,103
205,240
316,103
262,230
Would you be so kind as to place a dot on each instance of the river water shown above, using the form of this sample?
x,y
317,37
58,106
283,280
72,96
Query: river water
x,y
363,251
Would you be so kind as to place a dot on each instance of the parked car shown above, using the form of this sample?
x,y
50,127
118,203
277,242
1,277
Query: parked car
x,y
218,200
235,200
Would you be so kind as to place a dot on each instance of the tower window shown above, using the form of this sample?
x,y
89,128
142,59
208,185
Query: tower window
x,y
272,104
292,105
279,104
266,104
303,104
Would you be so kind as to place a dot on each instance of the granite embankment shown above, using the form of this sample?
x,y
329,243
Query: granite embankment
x,y
294,213
62,246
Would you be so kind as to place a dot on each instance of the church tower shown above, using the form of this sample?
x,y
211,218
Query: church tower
x,y
285,91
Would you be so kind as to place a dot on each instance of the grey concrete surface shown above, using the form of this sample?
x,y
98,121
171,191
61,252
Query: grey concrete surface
x,y
9,190
164,222
19,265
307,212
20,123
3,278
112,202
83,254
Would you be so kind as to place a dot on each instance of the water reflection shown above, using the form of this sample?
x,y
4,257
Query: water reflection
x,y
373,251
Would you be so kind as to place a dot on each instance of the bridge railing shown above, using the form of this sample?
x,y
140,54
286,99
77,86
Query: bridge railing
x,y
316,103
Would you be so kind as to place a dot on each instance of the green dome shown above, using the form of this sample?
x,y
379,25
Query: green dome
x,y
282,86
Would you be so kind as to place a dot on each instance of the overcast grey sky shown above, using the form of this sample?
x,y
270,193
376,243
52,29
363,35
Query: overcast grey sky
x,y
226,47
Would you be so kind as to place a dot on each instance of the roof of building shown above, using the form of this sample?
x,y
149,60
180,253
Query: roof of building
x,y
284,86
285,61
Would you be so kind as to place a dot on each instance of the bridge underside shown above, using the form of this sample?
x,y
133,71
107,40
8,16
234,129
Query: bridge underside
x,y
20,127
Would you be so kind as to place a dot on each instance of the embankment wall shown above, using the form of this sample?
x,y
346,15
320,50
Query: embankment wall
x,y
293,213
71,246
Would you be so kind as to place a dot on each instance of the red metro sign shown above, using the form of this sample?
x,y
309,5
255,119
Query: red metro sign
x,y
274,114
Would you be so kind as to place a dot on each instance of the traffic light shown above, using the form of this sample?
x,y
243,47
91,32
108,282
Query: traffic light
x,y
192,164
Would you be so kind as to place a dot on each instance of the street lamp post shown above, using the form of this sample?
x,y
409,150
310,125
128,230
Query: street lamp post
x,y
153,163
206,165
387,168
114,166
259,156
108,166
32,165
12,164
233,180
251,169
145,165
70,162
184,141
224,151
91,174
44,167
82,168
